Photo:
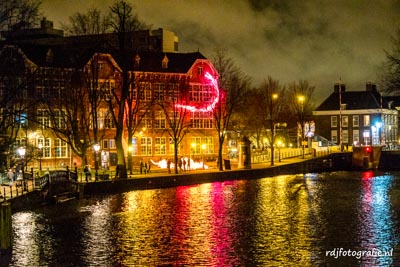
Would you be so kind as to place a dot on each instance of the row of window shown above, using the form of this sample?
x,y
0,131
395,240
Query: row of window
x,y
199,145
387,119
373,137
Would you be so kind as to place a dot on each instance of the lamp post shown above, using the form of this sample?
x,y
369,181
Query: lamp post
x,y
40,146
203,149
279,150
193,149
301,100
96,163
22,151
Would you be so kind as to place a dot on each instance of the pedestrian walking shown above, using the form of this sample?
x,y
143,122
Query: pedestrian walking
x,y
149,166
10,177
141,167
145,168
169,165
86,170
180,164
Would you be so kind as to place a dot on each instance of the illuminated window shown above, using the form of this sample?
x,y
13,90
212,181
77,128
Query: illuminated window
x,y
104,119
345,121
356,137
159,121
46,147
366,137
334,136
356,120
160,145
201,120
60,148
145,146
202,145
345,136
367,121
42,116
333,121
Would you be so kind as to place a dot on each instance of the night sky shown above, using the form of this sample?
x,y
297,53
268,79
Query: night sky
x,y
316,40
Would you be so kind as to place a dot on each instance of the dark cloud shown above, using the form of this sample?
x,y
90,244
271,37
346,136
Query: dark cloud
x,y
317,40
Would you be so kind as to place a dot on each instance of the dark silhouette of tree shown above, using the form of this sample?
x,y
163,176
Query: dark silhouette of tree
x,y
16,102
272,101
176,115
300,103
124,21
390,75
18,14
93,22
233,85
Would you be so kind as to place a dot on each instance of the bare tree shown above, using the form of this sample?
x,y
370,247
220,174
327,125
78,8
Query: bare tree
x,y
390,75
272,101
137,108
174,106
123,21
93,22
18,14
233,85
300,102
16,83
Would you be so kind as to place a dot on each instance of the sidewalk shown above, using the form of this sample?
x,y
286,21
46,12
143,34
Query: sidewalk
x,y
8,192
13,191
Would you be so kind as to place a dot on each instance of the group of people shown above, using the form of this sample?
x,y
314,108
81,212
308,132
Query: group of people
x,y
183,164
15,175
144,168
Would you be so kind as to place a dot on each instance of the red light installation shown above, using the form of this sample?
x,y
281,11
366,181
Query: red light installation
x,y
368,149
211,106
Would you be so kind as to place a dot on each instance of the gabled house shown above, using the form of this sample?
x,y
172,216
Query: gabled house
x,y
356,118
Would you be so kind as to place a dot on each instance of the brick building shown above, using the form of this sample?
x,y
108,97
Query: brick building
x,y
43,69
357,117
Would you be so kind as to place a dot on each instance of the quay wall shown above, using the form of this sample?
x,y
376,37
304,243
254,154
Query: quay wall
x,y
327,163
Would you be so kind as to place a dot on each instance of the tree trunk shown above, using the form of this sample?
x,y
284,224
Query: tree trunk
x,y
220,148
176,156
121,167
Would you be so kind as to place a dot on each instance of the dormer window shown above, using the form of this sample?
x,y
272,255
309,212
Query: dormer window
x,y
200,70
165,62
137,60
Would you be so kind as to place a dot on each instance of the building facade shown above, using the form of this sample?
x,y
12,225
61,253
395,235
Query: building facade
x,y
350,118
64,98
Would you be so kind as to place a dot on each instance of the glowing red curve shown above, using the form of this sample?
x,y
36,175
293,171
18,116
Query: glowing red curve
x,y
211,106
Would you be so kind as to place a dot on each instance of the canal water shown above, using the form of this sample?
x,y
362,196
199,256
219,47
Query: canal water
x,y
330,219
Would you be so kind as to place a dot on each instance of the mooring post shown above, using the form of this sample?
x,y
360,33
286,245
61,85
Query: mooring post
x,y
5,227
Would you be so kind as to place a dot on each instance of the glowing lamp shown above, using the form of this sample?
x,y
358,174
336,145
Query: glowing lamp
x,y
367,149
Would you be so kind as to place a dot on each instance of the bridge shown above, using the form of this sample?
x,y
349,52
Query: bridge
x,y
54,186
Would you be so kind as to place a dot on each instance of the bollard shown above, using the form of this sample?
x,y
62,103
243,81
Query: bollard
x,y
5,227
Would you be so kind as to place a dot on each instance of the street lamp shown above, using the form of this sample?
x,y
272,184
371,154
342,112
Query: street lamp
x,y
203,149
279,149
40,146
96,164
301,100
22,151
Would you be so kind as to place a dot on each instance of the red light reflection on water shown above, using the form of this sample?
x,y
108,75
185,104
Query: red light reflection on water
x,y
220,225
216,246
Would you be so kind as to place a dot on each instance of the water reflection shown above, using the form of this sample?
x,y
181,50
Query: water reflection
x,y
290,220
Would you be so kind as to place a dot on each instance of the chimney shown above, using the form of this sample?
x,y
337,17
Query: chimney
x,y
370,87
46,24
340,86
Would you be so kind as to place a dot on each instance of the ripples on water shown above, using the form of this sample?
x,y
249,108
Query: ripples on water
x,y
281,221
